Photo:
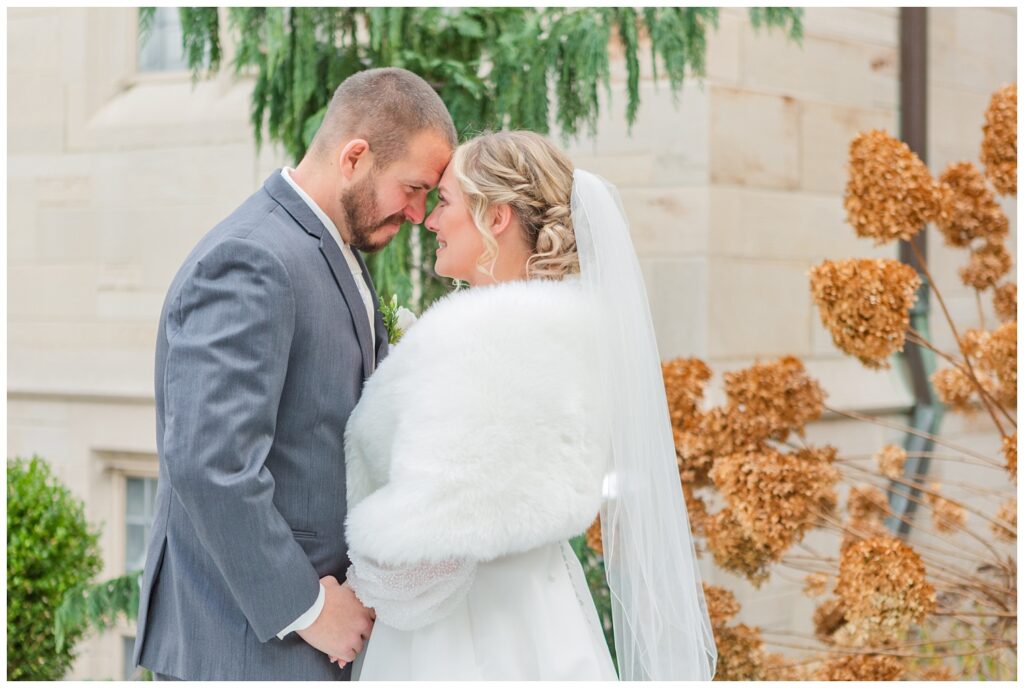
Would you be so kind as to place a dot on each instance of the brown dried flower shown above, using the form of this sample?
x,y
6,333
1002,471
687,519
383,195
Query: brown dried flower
x,y
866,502
859,530
815,584
778,395
720,431
829,617
989,263
696,510
936,672
999,144
890,459
1008,514
884,590
779,667
594,536
1010,453
861,668
735,551
953,388
1005,301
947,516
684,388
776,497
971,210
740,653
722,604
865,304
890,193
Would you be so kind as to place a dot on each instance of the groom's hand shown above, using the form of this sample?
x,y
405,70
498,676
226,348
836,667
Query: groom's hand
x,y
344,623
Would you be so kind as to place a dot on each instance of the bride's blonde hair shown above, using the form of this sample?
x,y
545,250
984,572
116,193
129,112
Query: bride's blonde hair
x,y
534,178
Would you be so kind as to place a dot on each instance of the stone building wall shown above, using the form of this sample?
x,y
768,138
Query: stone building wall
x,y
113,175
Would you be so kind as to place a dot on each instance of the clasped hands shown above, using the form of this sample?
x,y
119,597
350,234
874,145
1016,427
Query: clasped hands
x,y
344,624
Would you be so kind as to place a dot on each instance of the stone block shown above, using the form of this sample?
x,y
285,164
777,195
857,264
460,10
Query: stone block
x,y
45,292
667,222
677,291
765,154
971,48
758,308
854,25
825,134
842,72
783,225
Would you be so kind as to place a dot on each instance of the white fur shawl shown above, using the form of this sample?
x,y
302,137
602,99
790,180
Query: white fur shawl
x,y
480,434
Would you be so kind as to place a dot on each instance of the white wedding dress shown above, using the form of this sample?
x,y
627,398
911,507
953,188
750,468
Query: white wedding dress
x,y
526,616
475,453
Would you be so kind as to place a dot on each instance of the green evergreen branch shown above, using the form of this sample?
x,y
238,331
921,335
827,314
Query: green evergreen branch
x,y
98,605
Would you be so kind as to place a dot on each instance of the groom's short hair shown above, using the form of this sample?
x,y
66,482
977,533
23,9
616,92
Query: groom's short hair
x,y
387,107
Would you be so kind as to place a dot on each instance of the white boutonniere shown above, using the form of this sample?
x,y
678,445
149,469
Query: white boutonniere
x,y
398,319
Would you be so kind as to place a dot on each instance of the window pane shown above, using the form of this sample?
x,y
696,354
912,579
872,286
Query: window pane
x,y
160,50
135,547
128,649
135,498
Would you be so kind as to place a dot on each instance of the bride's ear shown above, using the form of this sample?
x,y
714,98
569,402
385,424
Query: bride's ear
x,y
501,218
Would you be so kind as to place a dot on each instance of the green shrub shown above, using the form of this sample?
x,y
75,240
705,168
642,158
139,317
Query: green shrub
x,y
50,550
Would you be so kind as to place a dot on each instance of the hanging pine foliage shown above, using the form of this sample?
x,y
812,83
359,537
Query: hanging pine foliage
x,y
494,67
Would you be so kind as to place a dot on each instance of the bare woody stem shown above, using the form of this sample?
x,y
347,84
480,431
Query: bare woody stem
x,y
956,335
918,339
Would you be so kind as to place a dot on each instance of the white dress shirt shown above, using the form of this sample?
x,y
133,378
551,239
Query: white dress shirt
x,y
311,615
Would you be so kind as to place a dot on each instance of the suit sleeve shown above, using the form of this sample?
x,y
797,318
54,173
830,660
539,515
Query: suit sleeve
x,y
228,346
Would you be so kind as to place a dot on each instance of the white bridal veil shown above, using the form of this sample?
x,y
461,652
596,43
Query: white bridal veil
x,y
662,629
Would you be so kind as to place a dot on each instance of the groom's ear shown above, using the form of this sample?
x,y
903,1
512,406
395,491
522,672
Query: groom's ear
x,y
501,218
354,155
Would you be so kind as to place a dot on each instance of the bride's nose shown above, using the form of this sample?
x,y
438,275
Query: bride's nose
x,y
431,222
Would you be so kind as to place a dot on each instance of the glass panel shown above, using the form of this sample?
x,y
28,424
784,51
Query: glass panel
x,y
128,649
135,547
161,51
135,497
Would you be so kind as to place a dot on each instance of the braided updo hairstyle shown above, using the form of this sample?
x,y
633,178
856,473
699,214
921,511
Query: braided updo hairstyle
x,y
527,172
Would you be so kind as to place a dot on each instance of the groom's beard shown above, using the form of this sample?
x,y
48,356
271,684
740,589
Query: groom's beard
x,y
363,217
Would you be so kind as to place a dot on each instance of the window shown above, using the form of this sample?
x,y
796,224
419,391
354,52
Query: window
x,y
140,496
129,672
160,50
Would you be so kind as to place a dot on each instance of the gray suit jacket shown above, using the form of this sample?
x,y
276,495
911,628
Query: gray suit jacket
x,y
262,352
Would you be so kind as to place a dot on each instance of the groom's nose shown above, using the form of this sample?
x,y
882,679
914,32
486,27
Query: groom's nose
x,y
415,211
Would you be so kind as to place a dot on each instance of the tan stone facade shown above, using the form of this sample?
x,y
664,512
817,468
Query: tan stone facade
x,y
113,175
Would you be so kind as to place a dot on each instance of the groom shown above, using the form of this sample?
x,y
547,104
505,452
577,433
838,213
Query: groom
x,y
267,333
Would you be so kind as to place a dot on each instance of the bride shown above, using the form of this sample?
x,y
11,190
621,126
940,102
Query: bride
x,y
508,417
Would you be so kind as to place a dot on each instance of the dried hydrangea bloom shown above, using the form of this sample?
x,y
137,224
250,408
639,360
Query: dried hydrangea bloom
x,y
947,516
859,530
1005,301
867,502
998,358
970,209
720,431
778,394
815,584
999,144
936,672
883,587
953,388
989,263
890,460
734,551
594,536
696,510
740,653
684,388
865,304
1010,453
722,604
779,667
861,668
889,194
1008,514
776,497
828,618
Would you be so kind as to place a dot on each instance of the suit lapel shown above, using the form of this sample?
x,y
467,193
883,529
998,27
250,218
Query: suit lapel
x,y
285,195
380,330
